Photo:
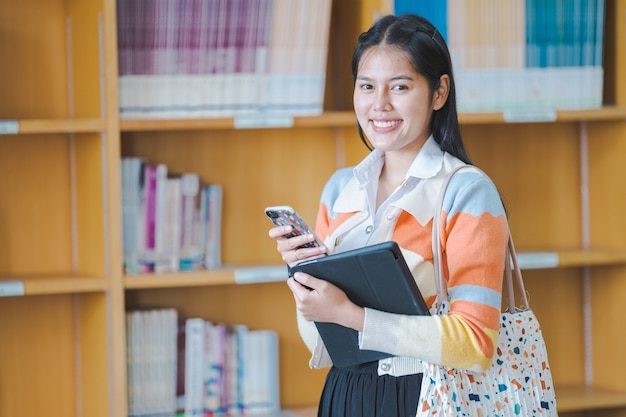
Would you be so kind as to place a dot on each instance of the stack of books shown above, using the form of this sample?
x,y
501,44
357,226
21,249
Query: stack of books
x,y
191,367
222,58
520,55
170,222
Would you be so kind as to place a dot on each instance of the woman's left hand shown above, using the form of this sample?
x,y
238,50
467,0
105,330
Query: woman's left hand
x,y
319,300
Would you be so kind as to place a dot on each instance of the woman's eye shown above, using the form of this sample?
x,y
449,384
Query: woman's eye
x,y
399,87
366,86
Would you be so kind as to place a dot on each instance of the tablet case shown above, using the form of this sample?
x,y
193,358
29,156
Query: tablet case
x,y
375,276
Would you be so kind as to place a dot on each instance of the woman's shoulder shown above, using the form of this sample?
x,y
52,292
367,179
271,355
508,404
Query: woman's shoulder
x,y
471,190
337,182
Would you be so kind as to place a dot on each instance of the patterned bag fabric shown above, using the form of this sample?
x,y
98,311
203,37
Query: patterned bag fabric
x,y
519,380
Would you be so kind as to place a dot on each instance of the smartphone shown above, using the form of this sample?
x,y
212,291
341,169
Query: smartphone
x,y
287,216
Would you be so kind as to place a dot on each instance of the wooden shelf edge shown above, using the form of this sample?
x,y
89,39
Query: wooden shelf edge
x,y
606,113
229,275
179,279
328,119
570,258
583,397
43,285
47,126
347,119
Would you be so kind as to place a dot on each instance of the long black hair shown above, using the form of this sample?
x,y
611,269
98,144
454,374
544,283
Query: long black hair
x,y
430,58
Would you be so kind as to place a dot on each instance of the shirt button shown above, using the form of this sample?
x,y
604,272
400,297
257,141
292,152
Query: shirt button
x,y
385,367
369,229
390,217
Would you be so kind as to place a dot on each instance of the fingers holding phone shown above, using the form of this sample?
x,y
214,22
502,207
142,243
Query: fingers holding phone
x,y
296,241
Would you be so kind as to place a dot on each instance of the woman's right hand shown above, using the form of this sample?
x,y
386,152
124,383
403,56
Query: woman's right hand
x,y
289,247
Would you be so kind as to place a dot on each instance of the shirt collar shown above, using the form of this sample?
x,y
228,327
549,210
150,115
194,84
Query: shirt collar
x,y
426,164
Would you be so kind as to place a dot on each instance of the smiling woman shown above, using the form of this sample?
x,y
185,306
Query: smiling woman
x,y
404,99
394,106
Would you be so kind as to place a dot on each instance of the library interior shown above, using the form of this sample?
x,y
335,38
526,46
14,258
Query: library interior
x,y
141,141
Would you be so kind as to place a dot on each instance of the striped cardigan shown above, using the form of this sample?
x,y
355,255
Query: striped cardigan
x,y
474,236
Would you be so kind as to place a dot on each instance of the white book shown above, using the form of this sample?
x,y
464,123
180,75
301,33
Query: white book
x,y
213,225
260,378
168,326
160,222
132,196
194,366
213,400
191,250
171,226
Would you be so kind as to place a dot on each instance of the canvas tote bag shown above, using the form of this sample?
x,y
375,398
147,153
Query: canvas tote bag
x,y
519,380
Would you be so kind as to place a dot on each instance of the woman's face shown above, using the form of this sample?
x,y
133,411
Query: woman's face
x,y
393,103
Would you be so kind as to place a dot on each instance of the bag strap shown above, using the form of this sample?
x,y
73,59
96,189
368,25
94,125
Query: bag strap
x,y
511,255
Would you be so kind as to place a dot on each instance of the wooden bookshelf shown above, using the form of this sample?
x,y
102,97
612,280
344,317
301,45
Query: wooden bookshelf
x,y
63,345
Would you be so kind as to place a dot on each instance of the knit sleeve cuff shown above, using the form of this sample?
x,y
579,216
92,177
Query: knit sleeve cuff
x,y
379,331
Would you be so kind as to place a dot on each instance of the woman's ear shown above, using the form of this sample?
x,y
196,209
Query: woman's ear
x,y
440,95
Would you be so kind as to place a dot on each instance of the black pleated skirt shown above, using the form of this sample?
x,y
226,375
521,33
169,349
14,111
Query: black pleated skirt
x,y
358,391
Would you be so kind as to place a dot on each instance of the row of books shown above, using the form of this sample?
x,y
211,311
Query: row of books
x,y
170,222
187,367
222,58
521,54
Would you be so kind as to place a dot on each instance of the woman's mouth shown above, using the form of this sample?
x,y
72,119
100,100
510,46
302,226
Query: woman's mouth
x,y
383,124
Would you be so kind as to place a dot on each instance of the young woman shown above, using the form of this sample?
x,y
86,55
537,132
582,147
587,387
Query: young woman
x,y
404,99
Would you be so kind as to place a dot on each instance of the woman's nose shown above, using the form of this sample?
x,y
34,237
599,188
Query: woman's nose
x,y
382,101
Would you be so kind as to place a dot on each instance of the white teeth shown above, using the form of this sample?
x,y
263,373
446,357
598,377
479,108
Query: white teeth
x,y
380,123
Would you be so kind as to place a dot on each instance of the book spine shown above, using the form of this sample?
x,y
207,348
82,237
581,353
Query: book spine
x,y
194,367
150,183
213,221
190,253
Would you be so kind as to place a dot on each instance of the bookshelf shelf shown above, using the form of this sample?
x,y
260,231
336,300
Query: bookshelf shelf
x,y
570,258
232,275
347,119
180,279
229,275
585,398
327,119
45,126
58,284
606,113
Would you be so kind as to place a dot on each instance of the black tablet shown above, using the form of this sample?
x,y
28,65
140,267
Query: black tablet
x,y
374,276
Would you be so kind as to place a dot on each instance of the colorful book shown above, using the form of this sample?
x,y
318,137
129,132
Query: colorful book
x,y
192,231
212,220
132,216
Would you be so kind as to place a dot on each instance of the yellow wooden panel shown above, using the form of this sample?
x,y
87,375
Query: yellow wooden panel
x,y
90,210
35,205
259,306
84,26
33,53
93,342
620,50
38,357
609,340
556,297
607,176
585,397
536,167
